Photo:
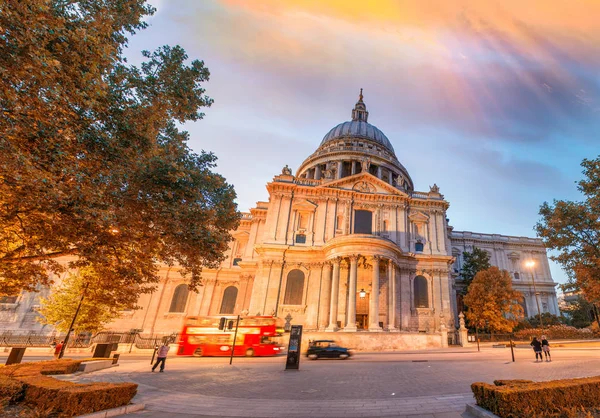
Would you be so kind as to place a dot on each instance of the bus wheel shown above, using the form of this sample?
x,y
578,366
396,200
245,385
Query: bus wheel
x,y
249,352
198,352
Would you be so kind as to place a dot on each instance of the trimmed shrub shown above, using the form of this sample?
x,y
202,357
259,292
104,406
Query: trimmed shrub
x,y
50,367
539,399
557,332
27,384
11,390
68,399
511,382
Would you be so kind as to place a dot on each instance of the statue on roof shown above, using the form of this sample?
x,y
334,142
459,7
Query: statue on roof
x,y
286,171
434,188
365,163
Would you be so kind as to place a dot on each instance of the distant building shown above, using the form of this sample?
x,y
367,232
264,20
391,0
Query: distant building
x,y
345,245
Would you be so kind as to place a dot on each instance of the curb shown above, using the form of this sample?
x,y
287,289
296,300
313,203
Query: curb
x,y
114,412
479,412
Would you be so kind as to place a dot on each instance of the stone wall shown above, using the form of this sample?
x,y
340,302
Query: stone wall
x,y
374,341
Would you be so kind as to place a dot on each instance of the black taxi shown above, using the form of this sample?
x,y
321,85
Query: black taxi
x,y
326,349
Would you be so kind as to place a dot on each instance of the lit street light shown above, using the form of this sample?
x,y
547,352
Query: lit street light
x,y
531,264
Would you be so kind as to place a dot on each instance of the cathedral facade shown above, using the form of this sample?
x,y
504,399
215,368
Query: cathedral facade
x,y
345,245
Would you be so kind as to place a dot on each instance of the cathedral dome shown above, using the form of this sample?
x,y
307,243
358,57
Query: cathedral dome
x,y
353,147
358,129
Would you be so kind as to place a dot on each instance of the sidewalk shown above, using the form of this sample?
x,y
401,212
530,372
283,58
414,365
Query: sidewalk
x,y
171,402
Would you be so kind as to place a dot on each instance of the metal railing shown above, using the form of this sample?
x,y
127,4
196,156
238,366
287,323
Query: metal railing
x,y
85,340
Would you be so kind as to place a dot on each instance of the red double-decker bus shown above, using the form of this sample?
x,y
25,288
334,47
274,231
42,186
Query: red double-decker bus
x,y
256,336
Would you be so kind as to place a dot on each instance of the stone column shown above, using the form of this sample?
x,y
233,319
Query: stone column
x,y
325,300
353,167
335,286
391,296
340,164
351,317
379,172
318,172
374,302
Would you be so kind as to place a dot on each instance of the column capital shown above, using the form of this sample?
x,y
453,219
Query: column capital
x,y
336,260
354,257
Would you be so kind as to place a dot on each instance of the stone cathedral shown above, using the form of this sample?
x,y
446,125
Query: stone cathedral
x,y
344,245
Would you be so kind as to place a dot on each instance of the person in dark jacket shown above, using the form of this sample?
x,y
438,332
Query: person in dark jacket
x,y
546,348
537,347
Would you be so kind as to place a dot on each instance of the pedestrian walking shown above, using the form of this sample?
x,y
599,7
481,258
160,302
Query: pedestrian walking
x,y
537,347
57,348
162,356
546,348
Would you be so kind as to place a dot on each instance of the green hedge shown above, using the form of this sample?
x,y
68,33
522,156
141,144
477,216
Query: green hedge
x,y
557,398
28,385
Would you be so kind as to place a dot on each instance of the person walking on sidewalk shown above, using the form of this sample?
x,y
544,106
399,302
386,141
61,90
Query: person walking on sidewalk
x,y
537,347
57,349
546,348
162,356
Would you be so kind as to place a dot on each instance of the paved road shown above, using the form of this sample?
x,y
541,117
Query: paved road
x,y
432,384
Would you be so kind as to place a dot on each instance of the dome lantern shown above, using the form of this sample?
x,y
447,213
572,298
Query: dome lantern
x,y
359,113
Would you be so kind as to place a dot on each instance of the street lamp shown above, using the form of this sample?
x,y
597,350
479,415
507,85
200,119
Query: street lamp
x,y
531,264
362,293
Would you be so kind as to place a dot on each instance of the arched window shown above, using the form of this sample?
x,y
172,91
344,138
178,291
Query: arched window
x,y
179,298
385,226
363,222
419,247
421,297
228,302
300,239
294,288
517,277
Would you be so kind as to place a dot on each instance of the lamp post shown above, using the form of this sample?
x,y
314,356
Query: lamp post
x,y
531,264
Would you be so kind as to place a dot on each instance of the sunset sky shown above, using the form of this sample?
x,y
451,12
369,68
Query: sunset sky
x,y
496,102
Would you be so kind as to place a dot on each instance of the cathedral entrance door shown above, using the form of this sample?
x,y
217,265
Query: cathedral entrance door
x,y
362,311
362,321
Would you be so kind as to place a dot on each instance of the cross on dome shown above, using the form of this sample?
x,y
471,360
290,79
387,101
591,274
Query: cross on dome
x,y
359,112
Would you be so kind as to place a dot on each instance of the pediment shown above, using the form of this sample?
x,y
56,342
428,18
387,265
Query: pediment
x,y
418,217
364,183
240,235
304,205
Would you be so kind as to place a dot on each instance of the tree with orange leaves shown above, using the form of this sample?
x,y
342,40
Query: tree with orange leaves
x,y
573,230
493,303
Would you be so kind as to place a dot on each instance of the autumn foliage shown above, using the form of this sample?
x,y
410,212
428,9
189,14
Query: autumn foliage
x,y
572,229
493,303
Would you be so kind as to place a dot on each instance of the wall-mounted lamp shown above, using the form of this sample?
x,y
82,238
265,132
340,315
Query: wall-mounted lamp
x,y
362,293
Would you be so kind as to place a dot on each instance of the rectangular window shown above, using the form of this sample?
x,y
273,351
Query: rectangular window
x,y
363,222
